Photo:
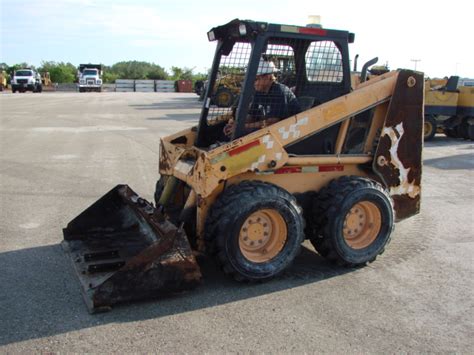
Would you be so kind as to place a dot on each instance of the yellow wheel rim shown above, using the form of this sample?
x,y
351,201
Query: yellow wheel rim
x,y
428,129
262,236
362,225
224,99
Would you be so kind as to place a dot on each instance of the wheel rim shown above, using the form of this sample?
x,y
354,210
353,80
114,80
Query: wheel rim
x,y
224,99
262,236
428,129
362,225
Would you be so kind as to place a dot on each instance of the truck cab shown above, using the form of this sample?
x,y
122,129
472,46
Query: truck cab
x,y
26,79
89,76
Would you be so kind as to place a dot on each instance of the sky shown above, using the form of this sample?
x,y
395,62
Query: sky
x,y
434,37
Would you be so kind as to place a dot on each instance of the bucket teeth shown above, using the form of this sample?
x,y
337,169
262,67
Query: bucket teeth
x,y
124,249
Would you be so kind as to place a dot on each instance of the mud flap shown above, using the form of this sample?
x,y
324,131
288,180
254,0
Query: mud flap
x,y
124,249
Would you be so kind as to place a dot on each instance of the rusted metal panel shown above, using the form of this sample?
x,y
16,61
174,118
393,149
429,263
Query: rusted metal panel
x,y
398,158
123,249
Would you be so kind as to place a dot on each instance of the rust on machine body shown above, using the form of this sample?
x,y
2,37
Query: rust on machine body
x,y
123,248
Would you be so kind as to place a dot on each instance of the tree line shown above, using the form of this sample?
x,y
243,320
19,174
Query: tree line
x,y
61,72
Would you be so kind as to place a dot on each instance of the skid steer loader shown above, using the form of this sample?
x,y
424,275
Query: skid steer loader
x,y
339,173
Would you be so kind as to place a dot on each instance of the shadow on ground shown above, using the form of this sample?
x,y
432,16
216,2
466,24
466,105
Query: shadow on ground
x,y
172,104
177,117
442,140
40,295
454,162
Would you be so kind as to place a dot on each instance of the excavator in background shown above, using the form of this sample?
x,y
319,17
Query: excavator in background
x,y
449,108
340,173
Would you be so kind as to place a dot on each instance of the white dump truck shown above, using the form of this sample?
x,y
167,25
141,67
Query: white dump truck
x,y
89,77
26,79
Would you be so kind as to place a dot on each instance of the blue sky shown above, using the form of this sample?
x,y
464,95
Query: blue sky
x,y
173,33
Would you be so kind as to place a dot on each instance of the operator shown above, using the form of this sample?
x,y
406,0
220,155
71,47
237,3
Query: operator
x,y
272,101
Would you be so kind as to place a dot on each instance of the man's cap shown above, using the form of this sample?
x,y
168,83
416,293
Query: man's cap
x,y
265,67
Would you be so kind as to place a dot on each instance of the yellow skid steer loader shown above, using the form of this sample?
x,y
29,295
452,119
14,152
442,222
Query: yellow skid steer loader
x,y
340,171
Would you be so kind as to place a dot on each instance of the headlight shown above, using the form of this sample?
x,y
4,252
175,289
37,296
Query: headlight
x,y
82,81
99,81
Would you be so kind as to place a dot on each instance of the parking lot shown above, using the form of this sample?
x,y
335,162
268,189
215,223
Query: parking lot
x,y
60,152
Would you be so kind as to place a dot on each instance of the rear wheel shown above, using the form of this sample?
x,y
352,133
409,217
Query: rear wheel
x,y
429,128
255,230
470,131
464,129
352,221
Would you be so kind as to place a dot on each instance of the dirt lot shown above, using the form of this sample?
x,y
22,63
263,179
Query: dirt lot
x,y
59,152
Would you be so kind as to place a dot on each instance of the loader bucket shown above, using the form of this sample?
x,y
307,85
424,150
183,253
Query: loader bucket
x,y
124,249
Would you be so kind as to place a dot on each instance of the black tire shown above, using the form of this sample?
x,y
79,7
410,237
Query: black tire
x,y
14,91
464,129
224,97
470,131
346,203
429,128
239,239
40,88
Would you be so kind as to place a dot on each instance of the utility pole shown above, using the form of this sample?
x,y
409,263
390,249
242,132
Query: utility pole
x,y
416,61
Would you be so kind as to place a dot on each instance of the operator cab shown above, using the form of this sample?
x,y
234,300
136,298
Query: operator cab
x,y
312,61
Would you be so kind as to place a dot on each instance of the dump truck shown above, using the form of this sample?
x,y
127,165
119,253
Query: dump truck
x,y
449,108
89,77
26,79
340,173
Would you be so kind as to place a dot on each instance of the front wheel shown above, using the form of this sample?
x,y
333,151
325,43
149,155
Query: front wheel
x,y
352,221
255,229
429,128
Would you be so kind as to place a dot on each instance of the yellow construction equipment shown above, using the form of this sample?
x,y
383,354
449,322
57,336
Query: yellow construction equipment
x,y
3,80
449,108
340,172
46,81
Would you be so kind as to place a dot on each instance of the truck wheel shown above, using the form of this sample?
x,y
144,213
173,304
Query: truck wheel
x,y
429,128
255,229
40,88
352,221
